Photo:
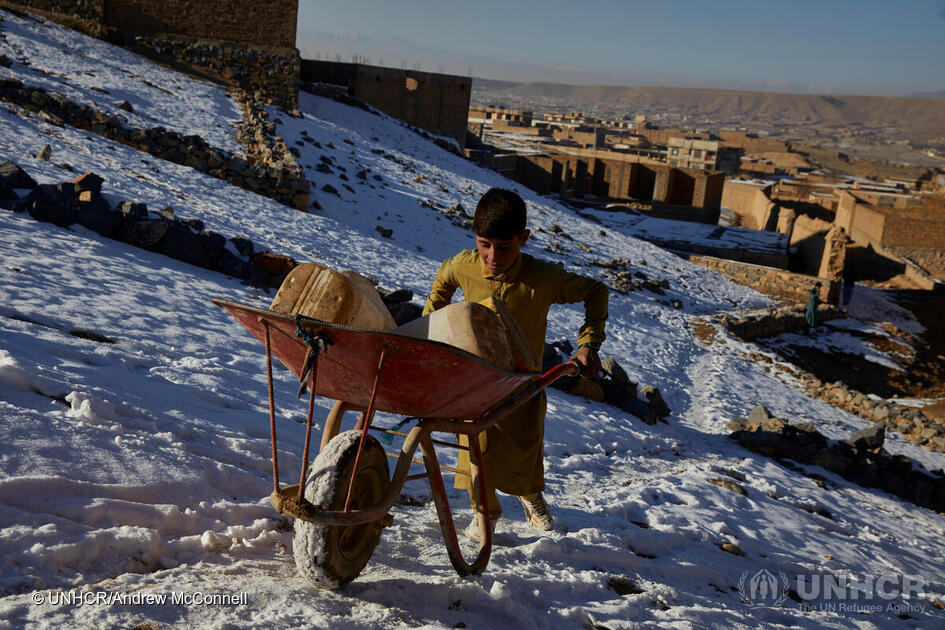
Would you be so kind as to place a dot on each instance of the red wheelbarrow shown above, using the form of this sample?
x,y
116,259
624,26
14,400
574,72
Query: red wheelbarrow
x,y
342,500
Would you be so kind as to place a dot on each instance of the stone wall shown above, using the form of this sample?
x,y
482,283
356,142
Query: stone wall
x,y
239,42
752,325
777,283
280,180
274,73
860,459
438,103
270,24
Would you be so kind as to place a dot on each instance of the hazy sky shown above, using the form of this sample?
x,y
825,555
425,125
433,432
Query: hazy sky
x,y
826,46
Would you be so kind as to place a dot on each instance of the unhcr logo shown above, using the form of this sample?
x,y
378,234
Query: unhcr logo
x,y
763,588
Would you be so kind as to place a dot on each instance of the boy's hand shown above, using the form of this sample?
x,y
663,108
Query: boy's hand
x,y
587,356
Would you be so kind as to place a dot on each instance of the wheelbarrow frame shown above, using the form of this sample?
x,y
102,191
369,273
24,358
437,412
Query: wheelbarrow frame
x,y
300,343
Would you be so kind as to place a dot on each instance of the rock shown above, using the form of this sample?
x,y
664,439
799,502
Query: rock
x,y
404,312
133,211
827,459
658,407
880,413
5,61
737,424
398,296
182,243
274,264
759,414
232,265
88,182
868,438
97,215
7,194
588,389
125,105
243,245
732,548
167,213
728,484
15,177
612,369
331,190
385,232
555,353
51,204
44,154
213,242
145,234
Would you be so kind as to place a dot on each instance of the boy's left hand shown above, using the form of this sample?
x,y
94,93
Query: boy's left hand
x,y
587,356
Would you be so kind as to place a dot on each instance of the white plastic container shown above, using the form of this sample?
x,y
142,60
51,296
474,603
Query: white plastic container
x,y
339,297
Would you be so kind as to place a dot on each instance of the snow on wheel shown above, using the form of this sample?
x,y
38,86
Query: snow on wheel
x,y
332,556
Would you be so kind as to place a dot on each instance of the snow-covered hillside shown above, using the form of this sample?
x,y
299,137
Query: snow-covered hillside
x,y
134,460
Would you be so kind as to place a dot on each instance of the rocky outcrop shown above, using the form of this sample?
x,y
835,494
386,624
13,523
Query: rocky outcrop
x,y
860,459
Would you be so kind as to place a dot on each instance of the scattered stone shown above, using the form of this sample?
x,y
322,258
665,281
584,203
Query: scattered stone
x,y
213,242
44,154
759,414
732,548
51,204
145,234
331,190
243,245
869,438
587,388
97,215
125,105
728,484
15,177
386,233
182,243
404,312
658,409
5,61
133,211
7,194
623,586
274,264
612,369
397,297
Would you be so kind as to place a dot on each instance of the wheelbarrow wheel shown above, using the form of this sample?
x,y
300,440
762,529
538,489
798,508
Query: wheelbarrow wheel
x,y
331,556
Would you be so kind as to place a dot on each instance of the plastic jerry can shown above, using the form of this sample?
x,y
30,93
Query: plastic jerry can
x,y
339,297
469,326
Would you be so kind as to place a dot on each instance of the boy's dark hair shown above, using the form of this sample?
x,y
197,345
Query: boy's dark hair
x,y
499,214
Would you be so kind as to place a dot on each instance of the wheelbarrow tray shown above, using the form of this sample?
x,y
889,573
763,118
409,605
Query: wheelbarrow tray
x,y
421,378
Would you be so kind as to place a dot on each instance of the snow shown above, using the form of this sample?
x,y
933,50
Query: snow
x,y
136,460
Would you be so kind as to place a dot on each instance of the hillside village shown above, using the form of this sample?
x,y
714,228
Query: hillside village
x,y
148,165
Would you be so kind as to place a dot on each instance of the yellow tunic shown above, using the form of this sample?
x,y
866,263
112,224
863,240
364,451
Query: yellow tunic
x,y
513,448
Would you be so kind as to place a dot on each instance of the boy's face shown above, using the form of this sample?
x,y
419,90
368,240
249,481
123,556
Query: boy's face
x,y
499,254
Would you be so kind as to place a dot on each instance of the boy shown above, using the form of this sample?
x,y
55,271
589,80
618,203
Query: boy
x,y
513,449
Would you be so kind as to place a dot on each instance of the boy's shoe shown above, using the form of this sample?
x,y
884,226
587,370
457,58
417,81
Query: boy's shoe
x,y
472,530
537,512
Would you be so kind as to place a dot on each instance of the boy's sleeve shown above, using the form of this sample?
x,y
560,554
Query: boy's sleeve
x,y
571,288
444,286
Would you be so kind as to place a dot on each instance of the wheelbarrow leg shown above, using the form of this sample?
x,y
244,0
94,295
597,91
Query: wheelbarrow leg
x,y
447,525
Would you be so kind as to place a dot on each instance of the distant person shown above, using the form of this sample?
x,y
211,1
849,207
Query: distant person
x,y
513,449
848,282
810,318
